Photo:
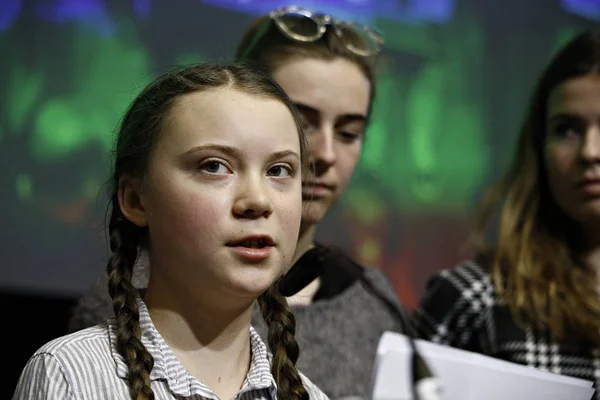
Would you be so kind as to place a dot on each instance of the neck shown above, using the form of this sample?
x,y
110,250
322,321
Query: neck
x,y
592,258
306,241
590,240
589,247
211,341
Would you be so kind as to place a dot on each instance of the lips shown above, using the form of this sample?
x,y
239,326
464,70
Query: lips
x,y
252,242
590,181
318,184
317,189
590,188
252,249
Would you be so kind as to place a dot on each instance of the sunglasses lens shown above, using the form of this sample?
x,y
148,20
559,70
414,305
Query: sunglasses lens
x,y
298,26
358,39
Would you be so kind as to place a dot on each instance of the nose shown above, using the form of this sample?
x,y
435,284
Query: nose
x,y
252,200
590,148
322,146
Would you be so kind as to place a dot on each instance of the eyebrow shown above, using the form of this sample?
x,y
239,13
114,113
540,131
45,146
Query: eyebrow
x,y
564,116
283,154
237,153
345,118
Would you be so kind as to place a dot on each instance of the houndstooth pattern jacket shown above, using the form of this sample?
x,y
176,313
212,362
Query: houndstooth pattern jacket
x,y
462,309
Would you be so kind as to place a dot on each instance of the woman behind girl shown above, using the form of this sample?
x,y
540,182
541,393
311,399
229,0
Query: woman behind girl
x,y
534,298
207,179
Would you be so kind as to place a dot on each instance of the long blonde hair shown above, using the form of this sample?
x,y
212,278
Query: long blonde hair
x,y
536,264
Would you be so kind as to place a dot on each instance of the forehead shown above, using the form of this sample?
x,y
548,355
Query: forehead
x,y
579,96
229,117
335,87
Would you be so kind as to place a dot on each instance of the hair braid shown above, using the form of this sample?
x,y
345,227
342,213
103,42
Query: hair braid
x,y
124,238
283,344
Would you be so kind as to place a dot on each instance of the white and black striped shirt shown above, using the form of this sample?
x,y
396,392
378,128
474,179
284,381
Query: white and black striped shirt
x,y
86,366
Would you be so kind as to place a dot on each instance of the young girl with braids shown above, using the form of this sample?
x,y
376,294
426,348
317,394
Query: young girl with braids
x,y
207,180
326,66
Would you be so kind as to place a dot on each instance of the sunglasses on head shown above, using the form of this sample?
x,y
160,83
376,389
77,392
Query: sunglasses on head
x,y
303,25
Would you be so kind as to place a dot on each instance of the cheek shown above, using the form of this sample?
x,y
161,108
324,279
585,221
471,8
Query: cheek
x,y
560,164
552,173
561,172
176,210
347,161
289,207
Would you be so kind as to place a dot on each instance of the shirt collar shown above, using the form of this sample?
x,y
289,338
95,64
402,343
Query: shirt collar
x,y
180,381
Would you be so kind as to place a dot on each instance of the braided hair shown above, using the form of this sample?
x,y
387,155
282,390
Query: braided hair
x,y
282,343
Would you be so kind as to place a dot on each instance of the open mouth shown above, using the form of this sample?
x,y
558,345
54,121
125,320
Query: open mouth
x,y
253,248
253,243
257,242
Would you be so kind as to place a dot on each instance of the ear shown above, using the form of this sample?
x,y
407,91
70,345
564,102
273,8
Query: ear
x,y
130,201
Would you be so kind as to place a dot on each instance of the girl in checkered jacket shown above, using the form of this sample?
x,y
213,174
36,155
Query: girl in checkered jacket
x,y
534,297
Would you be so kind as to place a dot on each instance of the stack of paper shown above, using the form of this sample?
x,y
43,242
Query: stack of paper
x,y
464,375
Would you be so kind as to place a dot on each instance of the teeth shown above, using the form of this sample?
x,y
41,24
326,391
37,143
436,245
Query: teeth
x,y
254,244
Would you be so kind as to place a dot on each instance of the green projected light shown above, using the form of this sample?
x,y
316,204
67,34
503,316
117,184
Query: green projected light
x,y
427,143
24,89
24,186
109,71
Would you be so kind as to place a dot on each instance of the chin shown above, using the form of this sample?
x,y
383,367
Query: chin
x,y
587,214
589,217
250,284
313,212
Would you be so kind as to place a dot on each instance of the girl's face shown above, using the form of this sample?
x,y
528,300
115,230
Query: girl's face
x,y
572,148
333,98
222,195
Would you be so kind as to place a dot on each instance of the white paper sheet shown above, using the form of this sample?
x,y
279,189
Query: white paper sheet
x,y
465,375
